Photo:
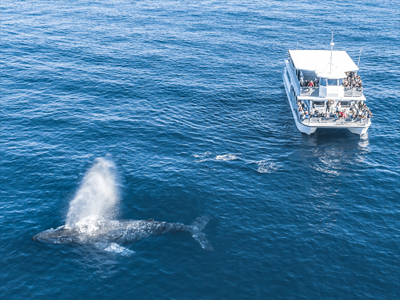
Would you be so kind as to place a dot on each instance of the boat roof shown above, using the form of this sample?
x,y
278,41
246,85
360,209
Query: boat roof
x,y
319,62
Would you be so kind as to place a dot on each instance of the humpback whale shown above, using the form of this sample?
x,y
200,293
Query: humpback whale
x,y
109,235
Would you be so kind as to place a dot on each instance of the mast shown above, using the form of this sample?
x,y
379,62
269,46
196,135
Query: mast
x,y
332,44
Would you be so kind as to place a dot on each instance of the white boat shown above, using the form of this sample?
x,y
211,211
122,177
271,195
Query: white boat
x,y
324,91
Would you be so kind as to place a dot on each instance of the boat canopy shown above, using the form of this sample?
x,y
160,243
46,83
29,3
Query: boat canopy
x,y
319,61
333,75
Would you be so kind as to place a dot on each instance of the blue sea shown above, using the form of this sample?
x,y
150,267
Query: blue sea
x,y
182,104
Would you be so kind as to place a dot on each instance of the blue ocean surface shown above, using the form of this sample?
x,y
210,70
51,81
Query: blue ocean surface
x,y
184,100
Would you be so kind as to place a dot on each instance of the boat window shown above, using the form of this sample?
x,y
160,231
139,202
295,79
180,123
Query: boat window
x,y
340,81
323,82
332,82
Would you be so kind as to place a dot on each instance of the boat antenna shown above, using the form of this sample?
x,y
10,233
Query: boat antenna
x,y
332,44
359,58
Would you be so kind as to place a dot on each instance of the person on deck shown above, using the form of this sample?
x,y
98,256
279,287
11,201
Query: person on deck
x,y
338,106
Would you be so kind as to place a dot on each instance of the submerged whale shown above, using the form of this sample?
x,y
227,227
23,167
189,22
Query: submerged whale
x,y
111,234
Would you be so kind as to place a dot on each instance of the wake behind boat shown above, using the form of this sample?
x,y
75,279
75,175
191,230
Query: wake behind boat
x,y
324,91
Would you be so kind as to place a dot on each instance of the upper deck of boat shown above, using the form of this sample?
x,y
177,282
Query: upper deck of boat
x,y
323,75
319,61
312,93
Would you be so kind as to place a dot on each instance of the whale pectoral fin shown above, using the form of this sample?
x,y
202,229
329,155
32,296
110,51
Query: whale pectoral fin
x,y
114,248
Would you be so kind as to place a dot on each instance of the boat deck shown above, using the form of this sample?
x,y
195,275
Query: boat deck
x,y
332,122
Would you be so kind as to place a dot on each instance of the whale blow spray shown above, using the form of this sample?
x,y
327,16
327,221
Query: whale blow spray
x,y
97,197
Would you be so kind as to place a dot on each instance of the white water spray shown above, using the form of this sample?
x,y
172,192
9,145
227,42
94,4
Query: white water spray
x,y
97,197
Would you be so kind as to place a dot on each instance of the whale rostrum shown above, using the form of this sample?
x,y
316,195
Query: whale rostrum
x,y
110,234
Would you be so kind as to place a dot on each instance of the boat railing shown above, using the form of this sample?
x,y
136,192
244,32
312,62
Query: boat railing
x,y
338,121
314,91
353,92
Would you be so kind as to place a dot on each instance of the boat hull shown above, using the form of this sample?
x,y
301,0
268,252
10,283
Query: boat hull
x,y
302,128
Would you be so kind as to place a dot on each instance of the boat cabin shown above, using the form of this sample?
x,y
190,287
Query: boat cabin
x,y
324,74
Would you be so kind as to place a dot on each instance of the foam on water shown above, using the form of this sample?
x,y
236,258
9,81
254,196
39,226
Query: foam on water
x,y
227,157
266,166
208,156
205,154
97,197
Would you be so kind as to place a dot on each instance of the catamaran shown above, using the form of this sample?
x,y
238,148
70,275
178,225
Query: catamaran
x,y
324,91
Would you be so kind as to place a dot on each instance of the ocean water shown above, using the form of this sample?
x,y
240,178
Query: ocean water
x,y
178,108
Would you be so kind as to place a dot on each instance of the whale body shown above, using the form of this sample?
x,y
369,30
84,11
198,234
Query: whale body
x,y
110,234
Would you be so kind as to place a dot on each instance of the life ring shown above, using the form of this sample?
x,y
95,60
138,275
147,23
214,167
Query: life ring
x,y
332,102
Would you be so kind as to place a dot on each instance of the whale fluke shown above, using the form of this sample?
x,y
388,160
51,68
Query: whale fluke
x,y
197,227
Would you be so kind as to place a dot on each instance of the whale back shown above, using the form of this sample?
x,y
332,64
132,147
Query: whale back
x,y
134,230
121,232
